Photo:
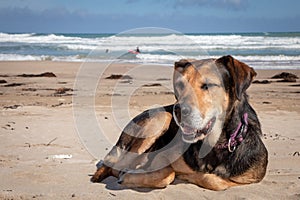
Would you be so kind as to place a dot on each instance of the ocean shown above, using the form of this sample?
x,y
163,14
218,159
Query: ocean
x,y
259,50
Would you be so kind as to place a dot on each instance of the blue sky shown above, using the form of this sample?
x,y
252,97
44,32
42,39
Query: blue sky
x,y
113,16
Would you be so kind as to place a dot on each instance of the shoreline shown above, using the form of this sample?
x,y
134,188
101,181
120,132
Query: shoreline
x,y
48,62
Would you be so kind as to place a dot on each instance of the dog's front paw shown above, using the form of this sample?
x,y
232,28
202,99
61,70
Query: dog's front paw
x,y
96,177
101,173
125,174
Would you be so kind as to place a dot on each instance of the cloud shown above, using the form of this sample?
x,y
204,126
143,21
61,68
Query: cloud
x,y
57,19
62,20
221,4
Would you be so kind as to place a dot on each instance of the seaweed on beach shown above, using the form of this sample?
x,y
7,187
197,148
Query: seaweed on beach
x,y
287,80
45,74
63,90
12,107
152,85
285,75
262,82
14,84
295,85
118,76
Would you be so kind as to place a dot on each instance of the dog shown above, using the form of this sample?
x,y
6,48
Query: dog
x,y
209,137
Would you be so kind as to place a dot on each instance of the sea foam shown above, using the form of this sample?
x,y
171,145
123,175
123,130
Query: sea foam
x,y
261,50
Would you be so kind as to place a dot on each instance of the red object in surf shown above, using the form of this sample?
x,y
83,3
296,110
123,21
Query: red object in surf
x,y
133,52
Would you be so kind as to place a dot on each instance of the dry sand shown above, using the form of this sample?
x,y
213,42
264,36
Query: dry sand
x,y
37,124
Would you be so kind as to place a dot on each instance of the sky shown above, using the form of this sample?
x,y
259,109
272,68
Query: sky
x,y
114,16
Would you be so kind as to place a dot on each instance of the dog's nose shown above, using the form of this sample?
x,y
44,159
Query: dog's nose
x,y
182,109
185,110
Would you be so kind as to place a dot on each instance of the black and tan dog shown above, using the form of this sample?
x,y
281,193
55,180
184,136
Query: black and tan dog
x,y
209,137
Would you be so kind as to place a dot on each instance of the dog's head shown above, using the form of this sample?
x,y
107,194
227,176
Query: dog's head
x,y
205,90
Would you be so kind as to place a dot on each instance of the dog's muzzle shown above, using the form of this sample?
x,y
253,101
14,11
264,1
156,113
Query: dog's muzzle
x,y
190,133
181,110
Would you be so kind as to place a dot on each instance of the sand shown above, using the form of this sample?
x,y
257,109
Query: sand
x,y
42,156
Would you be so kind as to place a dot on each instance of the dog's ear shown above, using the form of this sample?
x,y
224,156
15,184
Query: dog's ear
x,y
178,70
181,64
241,74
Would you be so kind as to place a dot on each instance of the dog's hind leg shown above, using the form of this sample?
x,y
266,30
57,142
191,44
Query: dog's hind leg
x,y
130,151
156,179
208,181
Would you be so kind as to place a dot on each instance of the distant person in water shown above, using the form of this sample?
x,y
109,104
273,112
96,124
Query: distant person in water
x,y
137,50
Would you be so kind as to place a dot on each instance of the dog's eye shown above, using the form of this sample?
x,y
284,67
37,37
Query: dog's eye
x,y
206,86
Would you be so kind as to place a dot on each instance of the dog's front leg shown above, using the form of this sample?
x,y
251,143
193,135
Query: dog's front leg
x,y
156,179
103,172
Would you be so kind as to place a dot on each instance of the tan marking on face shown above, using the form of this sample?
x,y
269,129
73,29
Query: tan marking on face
x,y
203,90
194,92
199,86
210,90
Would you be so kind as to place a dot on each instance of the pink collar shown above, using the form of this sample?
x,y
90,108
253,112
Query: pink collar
x,y
237,136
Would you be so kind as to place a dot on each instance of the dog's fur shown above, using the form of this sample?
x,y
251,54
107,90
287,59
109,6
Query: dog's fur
x,y
189,139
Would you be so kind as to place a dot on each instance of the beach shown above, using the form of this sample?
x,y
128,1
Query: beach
x,y
42,155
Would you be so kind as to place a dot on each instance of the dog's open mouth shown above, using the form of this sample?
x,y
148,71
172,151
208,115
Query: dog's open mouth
x,y
189,134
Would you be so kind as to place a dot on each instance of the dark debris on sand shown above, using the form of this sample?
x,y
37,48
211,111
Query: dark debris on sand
x,y
262,82
45,74
295,85
152,85
63,90
118,76
4,75
287,80
14,84
12,107
285,75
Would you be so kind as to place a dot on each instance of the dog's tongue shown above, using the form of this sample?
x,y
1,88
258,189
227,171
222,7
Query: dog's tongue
x,y
206,128
189,130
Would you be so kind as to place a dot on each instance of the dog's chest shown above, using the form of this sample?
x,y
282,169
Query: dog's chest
x,y
209,164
